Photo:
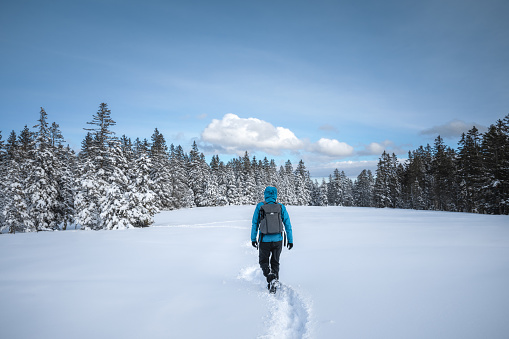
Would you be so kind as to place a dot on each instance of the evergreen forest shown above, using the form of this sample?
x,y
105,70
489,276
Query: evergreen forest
x,y
117,183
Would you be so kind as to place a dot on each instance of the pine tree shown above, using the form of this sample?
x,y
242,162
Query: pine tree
x,y
11,147
182,194
102,138
142,201
335,189
495,181
42,181
287,177
98,174
387,188
470,171
16,207
303,185
89,187
248,193
363,189
347,186
26,144
199,178
443,171
56,137
220,176
66,159
3,183
232,189
113,200
160,174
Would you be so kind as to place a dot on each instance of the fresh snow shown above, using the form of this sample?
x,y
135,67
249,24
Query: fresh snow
x,y
353,273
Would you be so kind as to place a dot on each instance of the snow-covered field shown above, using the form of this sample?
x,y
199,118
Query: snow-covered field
x,y
353,273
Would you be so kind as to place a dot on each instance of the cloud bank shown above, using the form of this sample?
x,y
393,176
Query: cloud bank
x,y
453,129
236,135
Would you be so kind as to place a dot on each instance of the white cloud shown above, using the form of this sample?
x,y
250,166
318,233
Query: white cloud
x,y
377,148
453,129
332,147
236,135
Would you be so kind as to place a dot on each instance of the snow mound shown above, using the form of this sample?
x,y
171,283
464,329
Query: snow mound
x,y
288,313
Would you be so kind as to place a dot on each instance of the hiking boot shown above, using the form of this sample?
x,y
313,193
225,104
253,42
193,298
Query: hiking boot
x,y
271,276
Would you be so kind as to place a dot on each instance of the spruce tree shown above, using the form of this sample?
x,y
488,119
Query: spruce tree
x,y
303,185
182,194
102,138
495,181
444,173
42,185
160,173
470,171
363,189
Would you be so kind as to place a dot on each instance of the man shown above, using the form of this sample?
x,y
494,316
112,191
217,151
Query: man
x,y
270,240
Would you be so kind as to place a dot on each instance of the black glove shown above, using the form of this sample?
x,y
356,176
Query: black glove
x,y
290,245
255,244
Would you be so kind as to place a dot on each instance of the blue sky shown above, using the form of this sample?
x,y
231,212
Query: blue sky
x,y
330,82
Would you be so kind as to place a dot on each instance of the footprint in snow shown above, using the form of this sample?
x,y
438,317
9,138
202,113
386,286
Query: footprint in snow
x,y
289,313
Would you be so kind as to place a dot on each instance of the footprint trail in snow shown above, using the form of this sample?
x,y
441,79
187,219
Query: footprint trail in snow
x,y
289,313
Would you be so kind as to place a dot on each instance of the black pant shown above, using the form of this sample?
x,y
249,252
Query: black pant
x,y
270,250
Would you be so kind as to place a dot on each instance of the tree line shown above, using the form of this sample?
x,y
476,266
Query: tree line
x,y
116,183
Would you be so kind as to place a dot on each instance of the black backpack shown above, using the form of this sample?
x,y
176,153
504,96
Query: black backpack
x,y
270,219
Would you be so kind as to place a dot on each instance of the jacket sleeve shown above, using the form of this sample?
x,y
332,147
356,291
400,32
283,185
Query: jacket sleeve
x,y
254,225
286,221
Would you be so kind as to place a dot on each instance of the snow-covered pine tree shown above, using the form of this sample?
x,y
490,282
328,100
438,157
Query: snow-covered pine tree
x,y
16,208
218,175
443,169
160,174
204,189
382,187
335,189
287,176
114,198
347,185
182,194
272,177
19,165
470,171
68,166
413,181
247,181
65,169
95,172
42,187
284,187
88,190
316,196
259,178
303,185
3,183
495,150
363,189
142,202
232,188
102,136
11,146
324,193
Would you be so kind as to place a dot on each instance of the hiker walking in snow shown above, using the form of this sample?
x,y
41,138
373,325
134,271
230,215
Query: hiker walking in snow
x,y
268,219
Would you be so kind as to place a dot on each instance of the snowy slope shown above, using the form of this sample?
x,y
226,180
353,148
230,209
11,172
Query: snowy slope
x,y
353,273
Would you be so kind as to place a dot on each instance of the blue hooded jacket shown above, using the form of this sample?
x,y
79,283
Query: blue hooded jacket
x,y
270,195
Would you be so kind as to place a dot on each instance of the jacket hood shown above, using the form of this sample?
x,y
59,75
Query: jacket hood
x,y
270,194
